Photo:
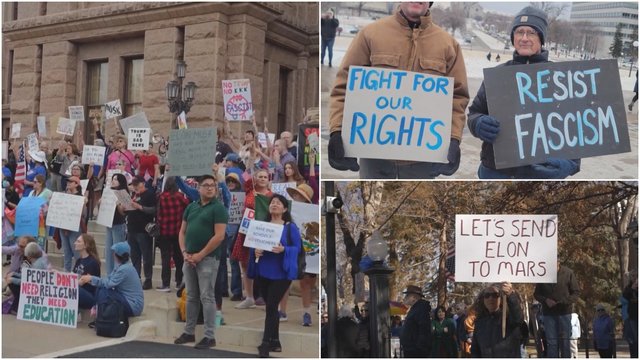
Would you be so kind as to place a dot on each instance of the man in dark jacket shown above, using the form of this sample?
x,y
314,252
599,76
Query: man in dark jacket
x,y
528,33
328,26
415,338
557,302
346,334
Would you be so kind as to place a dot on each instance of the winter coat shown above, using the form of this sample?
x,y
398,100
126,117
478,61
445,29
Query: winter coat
x,y
346,338
328,28
565,292
487,339
415,338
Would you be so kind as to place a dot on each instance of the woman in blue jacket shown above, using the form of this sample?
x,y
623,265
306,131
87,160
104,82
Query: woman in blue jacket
x,y
274,270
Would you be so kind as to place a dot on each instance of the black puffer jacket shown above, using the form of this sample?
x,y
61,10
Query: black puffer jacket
x,y
487,339
415,338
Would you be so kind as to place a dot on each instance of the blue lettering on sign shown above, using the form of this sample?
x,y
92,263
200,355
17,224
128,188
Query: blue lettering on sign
x,y
564,85
406,131
375,79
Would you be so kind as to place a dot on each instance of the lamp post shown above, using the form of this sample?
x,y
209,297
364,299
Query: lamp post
x,y
179,99
379,321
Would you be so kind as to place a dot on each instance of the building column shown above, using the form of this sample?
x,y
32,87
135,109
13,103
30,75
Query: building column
x,y
25,92
59,82
300,86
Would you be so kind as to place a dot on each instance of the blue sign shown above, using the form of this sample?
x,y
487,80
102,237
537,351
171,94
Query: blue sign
x,y
28,216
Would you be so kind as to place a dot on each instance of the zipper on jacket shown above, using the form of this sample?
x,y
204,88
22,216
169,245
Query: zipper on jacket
x,y
414,48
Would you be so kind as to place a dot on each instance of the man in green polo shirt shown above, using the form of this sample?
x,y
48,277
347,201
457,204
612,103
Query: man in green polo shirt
x,y
202,232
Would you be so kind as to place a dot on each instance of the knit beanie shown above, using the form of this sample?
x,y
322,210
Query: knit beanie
x,y
533,17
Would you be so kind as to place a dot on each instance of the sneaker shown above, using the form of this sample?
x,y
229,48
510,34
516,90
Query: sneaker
x,y
147,284
246,304
283,316
260,302
306,319
236,297
185,338
92,324
206,343
163,288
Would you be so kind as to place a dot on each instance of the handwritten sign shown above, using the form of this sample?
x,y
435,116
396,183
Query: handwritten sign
x,y
192,151
28,216
113,109
397,115
281,188
93,154
49,297
182,120
568,110
42,125
138,139
237,99
262,139
138,120
249,214
107,208
236,208
308,135
76,113
124,199
15,130
263,235
32,142
65,211
66,126
305,216
515,248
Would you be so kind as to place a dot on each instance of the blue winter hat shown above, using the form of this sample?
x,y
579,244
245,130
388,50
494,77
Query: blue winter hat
x,y
534,17
121,248
233,157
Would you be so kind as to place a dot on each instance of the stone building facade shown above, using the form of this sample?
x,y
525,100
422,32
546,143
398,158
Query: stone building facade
x,y
60,54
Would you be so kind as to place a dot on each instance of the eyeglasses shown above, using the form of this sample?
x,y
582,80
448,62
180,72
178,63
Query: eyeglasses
x,y
494,295
208,186
530,33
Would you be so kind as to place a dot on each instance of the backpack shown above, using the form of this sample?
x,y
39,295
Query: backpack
x,y
302,261
111,320
182,306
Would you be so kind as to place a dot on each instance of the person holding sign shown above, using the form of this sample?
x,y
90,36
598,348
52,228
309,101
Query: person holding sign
x,y
492,337
140,242
528,32
117,232
40,190
120,154
36,167
67,237
33,259
67,154
274,270
407,40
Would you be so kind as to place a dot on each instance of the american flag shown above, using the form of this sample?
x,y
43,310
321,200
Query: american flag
x,y
21,170
450,263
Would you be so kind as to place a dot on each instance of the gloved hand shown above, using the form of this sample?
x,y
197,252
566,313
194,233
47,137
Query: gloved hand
x,y
336,154
453,157
555,169
487,128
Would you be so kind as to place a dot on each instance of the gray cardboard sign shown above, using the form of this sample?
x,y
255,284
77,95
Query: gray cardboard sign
x,y
138,120
566,110
192,151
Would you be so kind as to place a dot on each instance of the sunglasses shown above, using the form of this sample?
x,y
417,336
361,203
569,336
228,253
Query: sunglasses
x,y
494,295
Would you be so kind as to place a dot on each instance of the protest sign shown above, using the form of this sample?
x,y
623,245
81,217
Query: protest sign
x,y
109,177
138,120
28,216
567,110
138,139
84,184
236,209
32,142
5,150
65,211
236,95
76,113
15,130
515,248
263,235
182,120
397,115
262,139
249,214
192,151
112,109
42,126
93,154
124,199
49,297
305,216
308,140
281,188
107,208
66,126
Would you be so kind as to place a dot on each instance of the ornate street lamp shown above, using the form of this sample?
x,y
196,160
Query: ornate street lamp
x,y
179,99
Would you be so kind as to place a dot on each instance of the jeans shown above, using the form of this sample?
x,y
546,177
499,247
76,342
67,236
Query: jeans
x,y
103,294
199,284
222,282
67,245
169,247
390,169
115,234
327,43
236,275
142,248
272,291
86,299
558,331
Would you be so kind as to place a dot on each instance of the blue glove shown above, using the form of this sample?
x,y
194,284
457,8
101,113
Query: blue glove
x,y
336,154
555,169
487,128
453,157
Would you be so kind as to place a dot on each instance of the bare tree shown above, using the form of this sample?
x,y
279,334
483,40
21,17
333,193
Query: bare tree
x,y
454,19
552,9
360,6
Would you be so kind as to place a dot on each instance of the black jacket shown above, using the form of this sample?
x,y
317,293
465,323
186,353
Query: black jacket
x,y
328,27
346,338
487,339
564,292
415,337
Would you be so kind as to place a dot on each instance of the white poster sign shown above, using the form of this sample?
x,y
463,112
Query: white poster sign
x,y
76,113
397,115
236,95
182,120
66,126
93,154
65,211
281,188
107,208
5,150
49,297
32,142
305,216
263,235
138,120
236,209
515,248
113,109
83,185
124,199
42,125
249,214
262,139
15,130
138,139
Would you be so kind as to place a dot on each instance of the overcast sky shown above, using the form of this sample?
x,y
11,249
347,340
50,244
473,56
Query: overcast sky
x,y
512,8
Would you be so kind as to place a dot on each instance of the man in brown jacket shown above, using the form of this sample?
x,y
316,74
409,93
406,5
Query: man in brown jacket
x,y
407,40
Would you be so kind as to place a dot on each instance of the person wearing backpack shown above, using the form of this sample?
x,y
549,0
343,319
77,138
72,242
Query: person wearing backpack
x,y
274,270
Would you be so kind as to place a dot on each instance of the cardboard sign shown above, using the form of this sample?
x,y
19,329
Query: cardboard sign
x,y
305,216
28,216
124,199
567,110
49,297
15,130
93,154
281,188
397,115
192,151
32,142
138,120
236,94
65,211
236,208
262,139
249,214
515,248
76,113
107,208
182,120
263,235
113,109
66,126
308,135
138,139
42,126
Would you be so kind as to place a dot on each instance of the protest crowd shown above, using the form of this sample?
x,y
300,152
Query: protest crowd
x,y
199,223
